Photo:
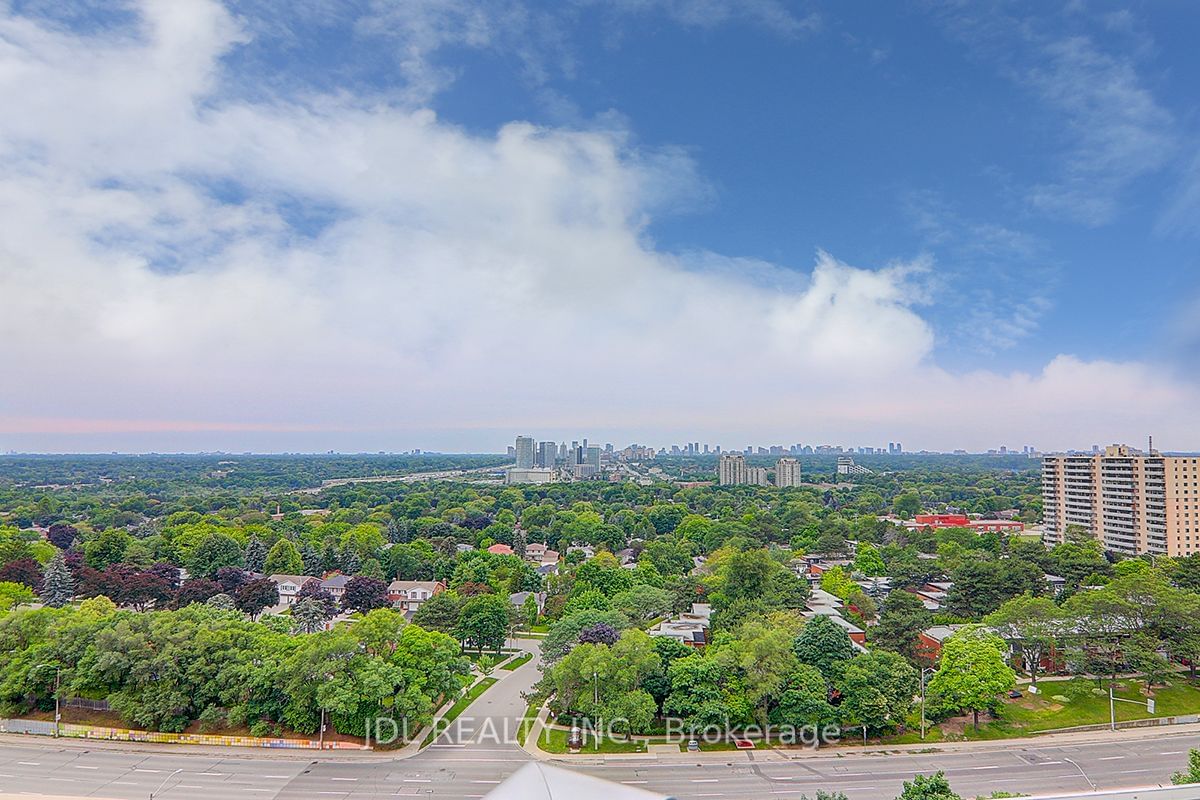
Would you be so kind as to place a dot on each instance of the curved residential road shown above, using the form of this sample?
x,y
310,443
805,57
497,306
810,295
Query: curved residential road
x,y
477,754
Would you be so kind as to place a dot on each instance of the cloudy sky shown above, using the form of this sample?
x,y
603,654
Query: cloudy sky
x,y
387,224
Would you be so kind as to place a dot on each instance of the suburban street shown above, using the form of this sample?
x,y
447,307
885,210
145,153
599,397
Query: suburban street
x,y
469,771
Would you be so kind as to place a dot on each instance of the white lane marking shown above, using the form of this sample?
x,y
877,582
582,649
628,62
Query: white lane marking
x,y
632,782
1172,753
499,781
6,775
210,773
188,786
63,780
343,779
249,789
81,766
30,763
1131,771
408,780
705,780
139,769
122,783
282,777
1110,758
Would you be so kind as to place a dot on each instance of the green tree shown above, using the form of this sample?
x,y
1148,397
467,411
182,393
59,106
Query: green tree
x,y
107,547
1192,775
309,615
1030,626
805,700
256,555
928,787
972,672
868,561
283,559
215,550
529,611
439,613
483,623
901,621
642,602
824,644
877,690
58,587
14,594
907,505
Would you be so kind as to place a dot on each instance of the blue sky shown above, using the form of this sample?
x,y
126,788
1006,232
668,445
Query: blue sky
x,y
1003,195
874,131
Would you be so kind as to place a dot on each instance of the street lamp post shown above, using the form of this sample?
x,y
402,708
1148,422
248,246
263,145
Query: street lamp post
x,y
164,783
321,734
1081,772
596,687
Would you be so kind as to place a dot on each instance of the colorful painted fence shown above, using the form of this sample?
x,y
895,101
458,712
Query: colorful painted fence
x,y
35,727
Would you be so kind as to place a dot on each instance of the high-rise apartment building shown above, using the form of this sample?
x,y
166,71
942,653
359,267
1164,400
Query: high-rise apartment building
x,y
757,476
787,472
1132,502
524,452
732,469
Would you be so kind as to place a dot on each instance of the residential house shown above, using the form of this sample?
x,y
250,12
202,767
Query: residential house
x,y
518,599
691,628
933,594
335,584
930,641
289,586
500,549
408,596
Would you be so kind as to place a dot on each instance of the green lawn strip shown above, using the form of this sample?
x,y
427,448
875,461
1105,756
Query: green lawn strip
x,y
1041,712
459,706
513,663
531,712
554,740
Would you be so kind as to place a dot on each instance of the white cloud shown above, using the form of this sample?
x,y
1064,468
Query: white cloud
x,y
455,281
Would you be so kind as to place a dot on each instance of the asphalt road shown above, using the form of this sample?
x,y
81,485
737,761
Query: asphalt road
x,y
474,758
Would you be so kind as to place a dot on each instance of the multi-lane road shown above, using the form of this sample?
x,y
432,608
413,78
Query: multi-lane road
x,y
479,758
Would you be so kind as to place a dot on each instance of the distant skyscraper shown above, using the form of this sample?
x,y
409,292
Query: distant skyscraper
x,y
732,469
547,454
787,472
524,452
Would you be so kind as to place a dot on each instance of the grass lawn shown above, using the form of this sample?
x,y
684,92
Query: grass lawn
x,y
554,740
531,712
513,663
459,706
1041,712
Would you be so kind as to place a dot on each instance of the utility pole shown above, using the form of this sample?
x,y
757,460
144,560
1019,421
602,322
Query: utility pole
x,y
321,735
57,700
595,687
923,673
